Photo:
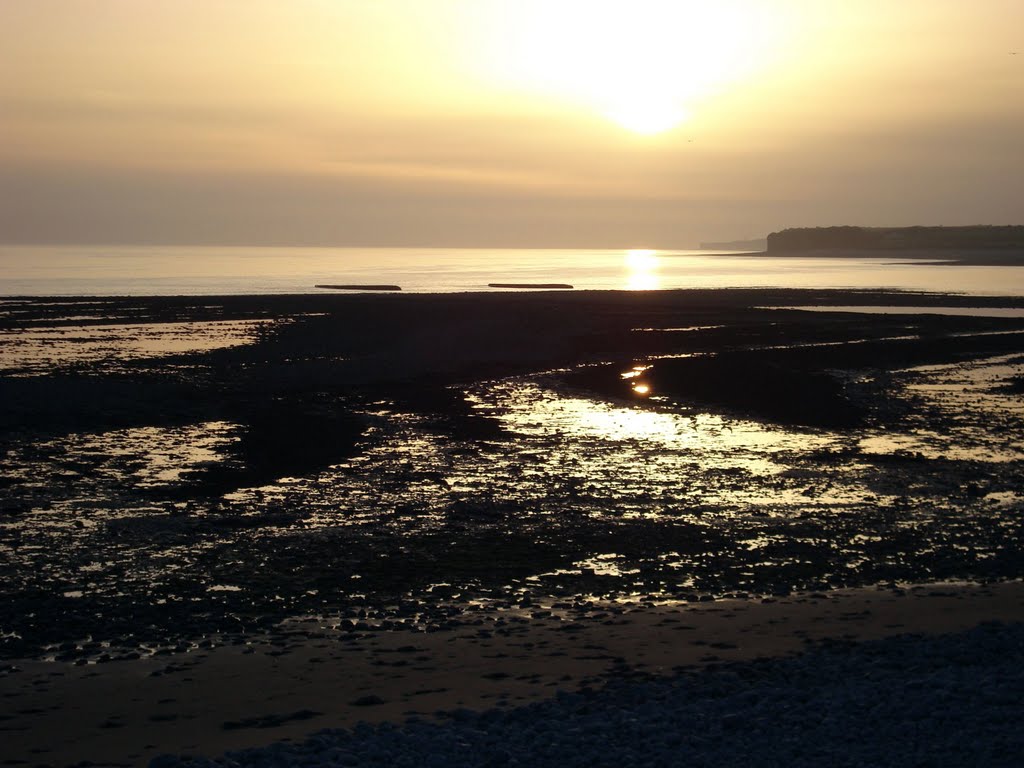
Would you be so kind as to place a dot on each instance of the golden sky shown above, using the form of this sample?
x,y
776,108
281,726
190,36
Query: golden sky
x,y
607,123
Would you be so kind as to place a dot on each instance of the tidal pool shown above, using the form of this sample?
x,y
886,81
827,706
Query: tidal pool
x,y
29,352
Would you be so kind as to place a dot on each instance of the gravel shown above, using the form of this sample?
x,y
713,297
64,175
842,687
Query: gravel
x,y
949,700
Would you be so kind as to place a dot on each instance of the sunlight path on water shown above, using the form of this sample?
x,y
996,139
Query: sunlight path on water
x,y
638,455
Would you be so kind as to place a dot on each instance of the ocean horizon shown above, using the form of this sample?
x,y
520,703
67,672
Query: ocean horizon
x,y
91,270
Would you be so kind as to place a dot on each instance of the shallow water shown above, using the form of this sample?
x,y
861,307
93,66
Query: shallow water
x,y
197,270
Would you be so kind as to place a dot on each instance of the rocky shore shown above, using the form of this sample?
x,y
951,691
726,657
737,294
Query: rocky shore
x,y
184,477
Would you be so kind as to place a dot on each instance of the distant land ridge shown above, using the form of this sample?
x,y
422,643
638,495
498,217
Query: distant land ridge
x,y
897,238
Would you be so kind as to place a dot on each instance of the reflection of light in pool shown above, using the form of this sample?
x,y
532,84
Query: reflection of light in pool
x,y
974,392
623,440
639,387
600,565
38,350
635,371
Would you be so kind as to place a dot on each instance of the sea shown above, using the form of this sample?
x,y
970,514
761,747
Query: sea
x,y
92,270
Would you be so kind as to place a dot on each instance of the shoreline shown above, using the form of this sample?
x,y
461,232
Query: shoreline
x,y
305,677
724,297
933,257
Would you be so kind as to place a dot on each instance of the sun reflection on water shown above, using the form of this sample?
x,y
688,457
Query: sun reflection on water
x,y
635,371
593,438
642,270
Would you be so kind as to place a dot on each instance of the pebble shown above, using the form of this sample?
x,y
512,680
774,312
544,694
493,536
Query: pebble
x,y
961,696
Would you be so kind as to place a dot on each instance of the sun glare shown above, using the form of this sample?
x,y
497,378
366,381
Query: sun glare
x,y
641,270
644,64
647,116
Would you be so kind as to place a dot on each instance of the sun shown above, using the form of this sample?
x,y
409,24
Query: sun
x,y
647,116
643,64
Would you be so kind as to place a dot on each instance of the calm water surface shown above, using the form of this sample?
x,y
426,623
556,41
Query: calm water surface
x,y
178,270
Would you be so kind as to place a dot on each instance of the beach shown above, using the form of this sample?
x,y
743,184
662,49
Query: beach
x,y
228,521
305,676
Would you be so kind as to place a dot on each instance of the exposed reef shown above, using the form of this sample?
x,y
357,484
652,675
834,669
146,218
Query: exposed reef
x,y
393,459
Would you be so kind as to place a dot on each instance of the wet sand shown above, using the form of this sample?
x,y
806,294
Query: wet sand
x,y
475,498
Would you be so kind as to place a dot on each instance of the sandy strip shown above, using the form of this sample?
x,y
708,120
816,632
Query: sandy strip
x,y
305,678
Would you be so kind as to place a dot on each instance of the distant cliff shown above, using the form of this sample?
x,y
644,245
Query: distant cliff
x,y
896,238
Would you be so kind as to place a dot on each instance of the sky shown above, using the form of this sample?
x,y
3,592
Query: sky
x,y
521,123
